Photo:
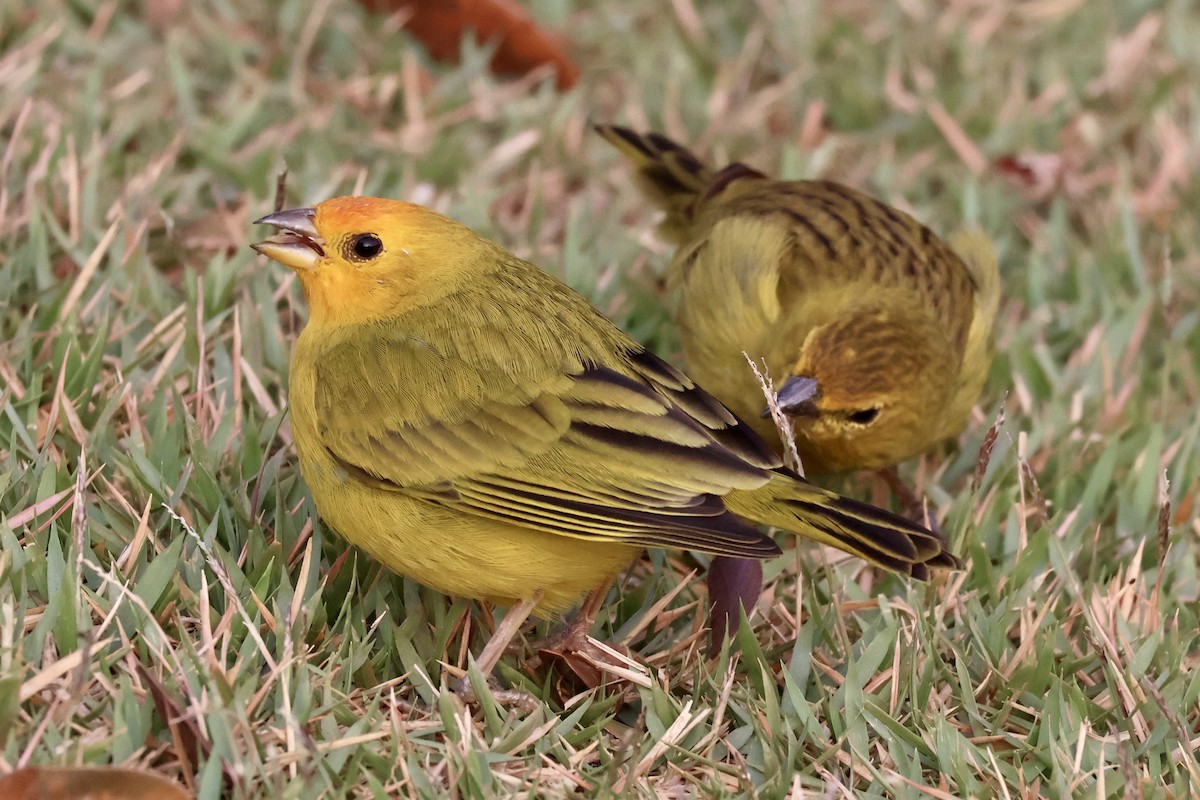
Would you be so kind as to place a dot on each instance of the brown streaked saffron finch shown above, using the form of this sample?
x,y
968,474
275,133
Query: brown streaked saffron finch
x,y
880,331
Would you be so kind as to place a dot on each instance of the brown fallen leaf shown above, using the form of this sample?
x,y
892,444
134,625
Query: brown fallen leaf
x,y
88,783
584,663
521,44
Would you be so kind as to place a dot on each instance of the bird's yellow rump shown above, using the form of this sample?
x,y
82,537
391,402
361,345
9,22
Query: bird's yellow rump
x,y
474,424
881,331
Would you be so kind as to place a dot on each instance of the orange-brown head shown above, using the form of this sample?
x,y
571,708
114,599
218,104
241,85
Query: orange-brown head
x,y
365,258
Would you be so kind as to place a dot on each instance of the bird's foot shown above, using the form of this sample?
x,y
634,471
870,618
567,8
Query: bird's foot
x,y
733,584
575,635
583,661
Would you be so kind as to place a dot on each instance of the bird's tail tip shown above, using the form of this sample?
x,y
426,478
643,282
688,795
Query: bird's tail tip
x,y
667,172
874,534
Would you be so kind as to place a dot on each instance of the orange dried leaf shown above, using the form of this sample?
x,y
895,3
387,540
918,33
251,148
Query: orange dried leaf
x,y
521,44
88,783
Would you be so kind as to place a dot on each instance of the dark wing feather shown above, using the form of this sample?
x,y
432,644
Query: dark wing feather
x,y
630,451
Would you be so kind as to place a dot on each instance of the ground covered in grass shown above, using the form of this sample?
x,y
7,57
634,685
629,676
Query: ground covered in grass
x,y
168,598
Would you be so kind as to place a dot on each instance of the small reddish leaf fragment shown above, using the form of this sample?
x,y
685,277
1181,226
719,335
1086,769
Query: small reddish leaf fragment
x,y
1037,175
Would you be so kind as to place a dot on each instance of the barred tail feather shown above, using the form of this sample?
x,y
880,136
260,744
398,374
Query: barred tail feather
x,y
668,173
790,503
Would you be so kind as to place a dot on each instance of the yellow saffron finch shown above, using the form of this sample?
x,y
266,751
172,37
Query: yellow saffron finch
x,y
474,424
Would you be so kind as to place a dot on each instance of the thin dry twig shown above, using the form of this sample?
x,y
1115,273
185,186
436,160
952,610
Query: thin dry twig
x,y
791,456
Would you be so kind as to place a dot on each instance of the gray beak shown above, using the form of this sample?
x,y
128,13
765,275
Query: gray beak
x,y
298,245
798,397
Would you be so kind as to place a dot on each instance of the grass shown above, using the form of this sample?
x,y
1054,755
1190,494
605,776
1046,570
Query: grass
x,y
169,599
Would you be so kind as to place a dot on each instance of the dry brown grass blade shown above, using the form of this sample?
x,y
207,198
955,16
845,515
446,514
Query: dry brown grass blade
x,y
522,45
957,138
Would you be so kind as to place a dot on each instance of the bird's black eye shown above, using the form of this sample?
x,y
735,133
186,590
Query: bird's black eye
x,y
364,247
864,416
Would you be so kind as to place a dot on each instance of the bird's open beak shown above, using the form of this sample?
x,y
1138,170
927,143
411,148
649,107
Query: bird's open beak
x,y
297,245
798,397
